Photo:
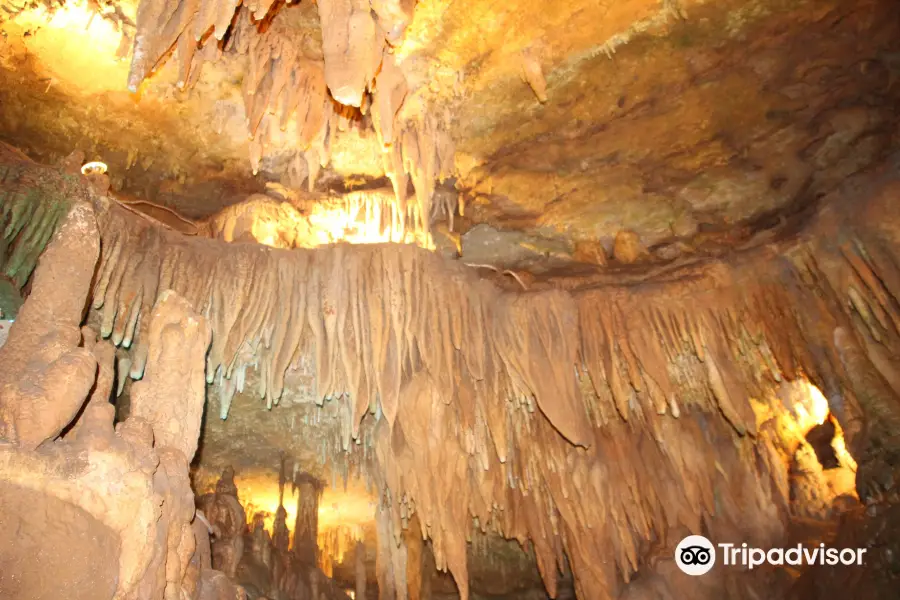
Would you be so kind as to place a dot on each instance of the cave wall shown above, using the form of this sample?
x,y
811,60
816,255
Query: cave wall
x,y
116,494
482,398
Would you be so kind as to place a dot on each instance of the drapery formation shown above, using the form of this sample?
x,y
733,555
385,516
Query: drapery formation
x,y
488,397
593,423
30,209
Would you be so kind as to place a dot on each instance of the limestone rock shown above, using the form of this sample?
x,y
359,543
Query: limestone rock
x,y
628,248
352,46
46,376
592,421
531,69
731,196
172,391
105,484
591,252
485,245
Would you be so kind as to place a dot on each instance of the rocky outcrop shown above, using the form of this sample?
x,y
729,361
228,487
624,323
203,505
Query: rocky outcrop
x,y
128,484
46,376
228,521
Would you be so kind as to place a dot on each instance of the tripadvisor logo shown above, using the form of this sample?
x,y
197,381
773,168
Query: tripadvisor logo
x,y
696,555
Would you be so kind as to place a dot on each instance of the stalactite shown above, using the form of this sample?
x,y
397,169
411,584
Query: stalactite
x,y
281,78
587,421
393,17
419,149
159,26
33,202
390,91
352,44
283,81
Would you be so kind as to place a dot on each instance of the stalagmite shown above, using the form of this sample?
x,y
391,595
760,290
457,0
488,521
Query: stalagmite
x,y
412,539
306,527
131,497
46,376
360,569
170,402
98,414
178,339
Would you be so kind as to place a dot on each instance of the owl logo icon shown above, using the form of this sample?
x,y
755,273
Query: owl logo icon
x,y
695,555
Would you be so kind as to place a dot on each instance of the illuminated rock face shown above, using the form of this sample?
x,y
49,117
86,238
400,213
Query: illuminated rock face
x,y
655,252
703,119
126,489
591,422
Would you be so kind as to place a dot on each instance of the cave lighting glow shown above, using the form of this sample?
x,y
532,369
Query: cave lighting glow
x,y
93,167
361,217
816,412
74,45
364,219
343,514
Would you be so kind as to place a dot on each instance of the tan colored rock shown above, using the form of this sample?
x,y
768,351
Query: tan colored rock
x,y
586,420
628,247
393,17
306,525
390,91
109,483
98,415
531,69
45,376
352,46
228,520
591,251
172,392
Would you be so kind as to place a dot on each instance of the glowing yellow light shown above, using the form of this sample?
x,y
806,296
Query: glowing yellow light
x,y
816,414
93,168
362,217
266,232
74,45
840,449
812,408
787,420
343,515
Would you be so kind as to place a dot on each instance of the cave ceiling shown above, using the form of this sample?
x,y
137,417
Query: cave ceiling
x,y
675,120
